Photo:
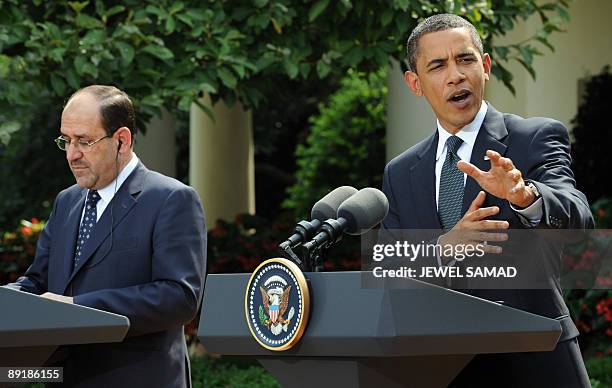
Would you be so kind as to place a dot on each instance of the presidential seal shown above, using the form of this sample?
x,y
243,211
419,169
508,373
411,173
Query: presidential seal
x,y
277,304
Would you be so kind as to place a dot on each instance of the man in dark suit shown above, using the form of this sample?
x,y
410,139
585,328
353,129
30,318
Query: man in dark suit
x,y
126,240
483,171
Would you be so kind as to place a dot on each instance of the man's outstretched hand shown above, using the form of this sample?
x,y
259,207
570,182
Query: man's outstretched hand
x,y
503,180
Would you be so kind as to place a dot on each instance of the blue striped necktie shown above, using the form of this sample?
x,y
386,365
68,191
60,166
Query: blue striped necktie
x,y
450,197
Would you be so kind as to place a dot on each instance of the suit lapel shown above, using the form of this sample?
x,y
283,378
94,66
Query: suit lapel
x,y
423,185
492,132
121,204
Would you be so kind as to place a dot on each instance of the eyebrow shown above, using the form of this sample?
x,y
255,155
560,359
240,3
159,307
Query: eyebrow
x,y
466,55
437,61
77,135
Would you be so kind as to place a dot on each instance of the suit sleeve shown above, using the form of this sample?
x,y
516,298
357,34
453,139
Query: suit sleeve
x,y
392,220
35,279
564,206
173,296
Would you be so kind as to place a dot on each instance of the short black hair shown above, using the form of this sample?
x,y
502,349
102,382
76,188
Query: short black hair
x,y
116,108
440,22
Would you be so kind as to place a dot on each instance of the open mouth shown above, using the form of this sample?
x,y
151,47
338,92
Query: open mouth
x,y
460,96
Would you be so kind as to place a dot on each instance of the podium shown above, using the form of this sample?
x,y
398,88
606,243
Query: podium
x,y
32,327
419,336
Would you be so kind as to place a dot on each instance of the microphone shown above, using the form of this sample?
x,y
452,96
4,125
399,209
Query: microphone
x,y
356,215
324,209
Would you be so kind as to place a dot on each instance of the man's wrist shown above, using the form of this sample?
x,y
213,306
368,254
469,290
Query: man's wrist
x,y
529,197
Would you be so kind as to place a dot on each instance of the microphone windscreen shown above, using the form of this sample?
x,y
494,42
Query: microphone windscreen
x,y
364,210
327,207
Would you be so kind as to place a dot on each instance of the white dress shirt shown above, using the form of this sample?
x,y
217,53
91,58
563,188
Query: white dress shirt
x,y
108,192
529,216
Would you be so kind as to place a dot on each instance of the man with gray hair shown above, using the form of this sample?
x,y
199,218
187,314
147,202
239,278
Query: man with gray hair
x,y
123,239
484,171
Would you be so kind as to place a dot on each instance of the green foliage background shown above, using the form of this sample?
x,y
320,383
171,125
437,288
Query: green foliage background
x,y
592,138
166,54
346,144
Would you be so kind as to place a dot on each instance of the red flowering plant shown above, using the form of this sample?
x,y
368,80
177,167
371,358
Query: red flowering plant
x,y
592,312
590,298
17,249
240,246
602,211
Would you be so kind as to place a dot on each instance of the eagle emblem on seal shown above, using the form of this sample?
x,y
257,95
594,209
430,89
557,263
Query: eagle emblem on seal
x,y
275,296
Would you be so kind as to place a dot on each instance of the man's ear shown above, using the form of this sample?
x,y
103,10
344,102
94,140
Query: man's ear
x,y
412,80
124,136
486,63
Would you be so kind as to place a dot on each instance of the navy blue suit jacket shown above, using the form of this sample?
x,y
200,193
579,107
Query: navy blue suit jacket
x,y
540,149
146,259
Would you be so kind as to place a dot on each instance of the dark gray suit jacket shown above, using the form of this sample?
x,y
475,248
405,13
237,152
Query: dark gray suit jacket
x,y
539,148
146,259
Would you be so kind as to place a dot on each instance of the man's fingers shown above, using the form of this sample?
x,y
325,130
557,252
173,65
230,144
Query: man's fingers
x,y
477,202
493,156
487,236
478,237
469,169
484,246
499,161
492,224
515,175
488,248
483,212
506,164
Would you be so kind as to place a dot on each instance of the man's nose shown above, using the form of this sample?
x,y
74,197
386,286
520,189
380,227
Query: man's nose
x,y
456,75
72,152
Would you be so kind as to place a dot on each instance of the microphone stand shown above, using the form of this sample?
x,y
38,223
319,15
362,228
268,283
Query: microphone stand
x,y
313,256
288,253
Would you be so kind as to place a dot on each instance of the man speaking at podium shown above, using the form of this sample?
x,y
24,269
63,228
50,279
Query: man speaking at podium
x,y
126,240
487,171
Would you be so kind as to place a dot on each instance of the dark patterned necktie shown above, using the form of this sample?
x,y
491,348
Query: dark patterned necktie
x,y
450,197
87,224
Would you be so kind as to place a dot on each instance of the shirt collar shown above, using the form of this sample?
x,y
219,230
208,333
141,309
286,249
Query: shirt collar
x,y
108,192
468,133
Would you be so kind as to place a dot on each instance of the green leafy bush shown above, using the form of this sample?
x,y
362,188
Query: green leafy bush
x,y
207,372
166,52
600,371
346,142
32,170
592,138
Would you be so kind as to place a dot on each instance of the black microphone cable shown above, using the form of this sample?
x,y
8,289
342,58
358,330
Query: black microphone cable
x,y
111,204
